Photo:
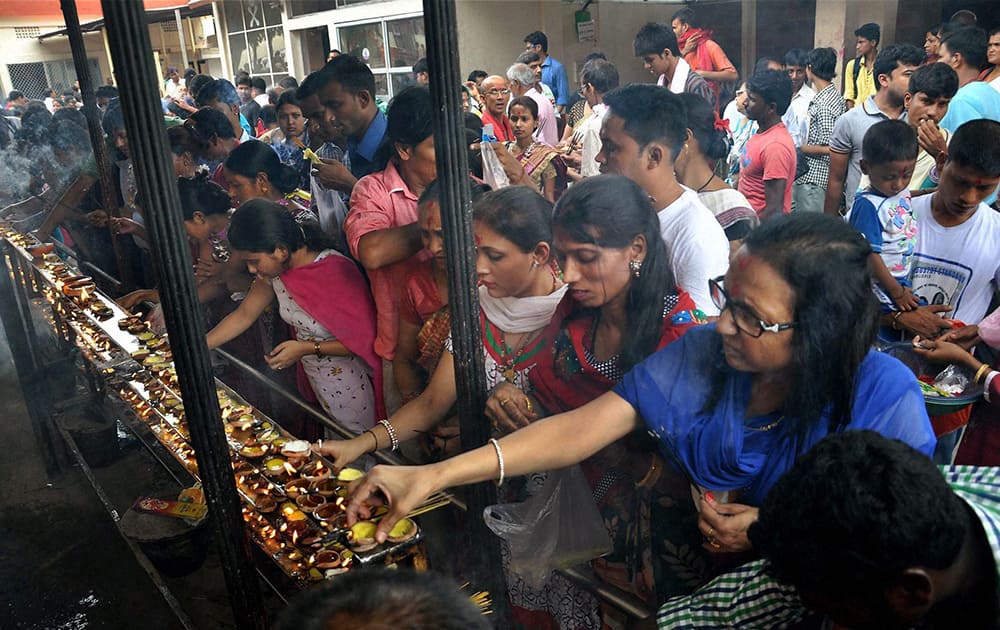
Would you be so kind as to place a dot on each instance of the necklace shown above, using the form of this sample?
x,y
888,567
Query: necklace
x,y
710,178
768,427
527,152
510,356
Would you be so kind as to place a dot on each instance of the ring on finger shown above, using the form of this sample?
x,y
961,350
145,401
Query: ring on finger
x,y
714,543
504,401
711,533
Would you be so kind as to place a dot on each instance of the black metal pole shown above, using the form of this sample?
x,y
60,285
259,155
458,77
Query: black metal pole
x,y
93,115
133,59
451,149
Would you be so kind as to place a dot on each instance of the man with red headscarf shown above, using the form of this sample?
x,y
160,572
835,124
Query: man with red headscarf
x,y
702,53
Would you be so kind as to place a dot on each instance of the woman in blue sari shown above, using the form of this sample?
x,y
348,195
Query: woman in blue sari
x,y
732,403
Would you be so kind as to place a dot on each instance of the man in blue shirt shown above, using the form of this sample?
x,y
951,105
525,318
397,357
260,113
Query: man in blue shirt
x,y
346,87
965,51
553,72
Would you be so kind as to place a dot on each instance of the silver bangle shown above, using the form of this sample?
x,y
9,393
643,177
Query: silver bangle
x,y
392,434
496,447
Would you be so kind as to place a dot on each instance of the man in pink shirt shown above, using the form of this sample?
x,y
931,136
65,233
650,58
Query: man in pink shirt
x,y
381,228
767,165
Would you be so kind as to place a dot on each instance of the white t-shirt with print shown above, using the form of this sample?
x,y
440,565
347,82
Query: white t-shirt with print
x,y
960,265
697,247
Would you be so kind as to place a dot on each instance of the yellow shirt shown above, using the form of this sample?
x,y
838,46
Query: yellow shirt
x,y
866,82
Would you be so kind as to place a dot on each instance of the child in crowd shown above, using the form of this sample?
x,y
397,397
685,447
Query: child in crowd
x,y
882,212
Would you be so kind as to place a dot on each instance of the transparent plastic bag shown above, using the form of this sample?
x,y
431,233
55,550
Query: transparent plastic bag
x,y
493,173
952,380
558,527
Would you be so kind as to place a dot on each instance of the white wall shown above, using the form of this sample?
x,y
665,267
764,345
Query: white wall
x,y
51,49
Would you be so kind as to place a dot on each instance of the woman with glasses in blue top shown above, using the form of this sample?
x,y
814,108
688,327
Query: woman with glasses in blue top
x,y
733,403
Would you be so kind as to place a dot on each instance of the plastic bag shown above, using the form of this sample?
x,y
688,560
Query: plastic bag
x,y
951,380
556,528
493,173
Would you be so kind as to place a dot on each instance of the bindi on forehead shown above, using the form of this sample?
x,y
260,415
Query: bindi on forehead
x,y
479,240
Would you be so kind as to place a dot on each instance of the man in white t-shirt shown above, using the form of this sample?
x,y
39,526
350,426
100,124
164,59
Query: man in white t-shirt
x,y
597,77
802,94
956,261
644,129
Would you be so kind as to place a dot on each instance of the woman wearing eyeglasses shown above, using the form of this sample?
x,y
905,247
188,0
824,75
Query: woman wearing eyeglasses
x,y
732,403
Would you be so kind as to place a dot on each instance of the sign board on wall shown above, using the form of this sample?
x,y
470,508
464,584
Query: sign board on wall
x,y
586,27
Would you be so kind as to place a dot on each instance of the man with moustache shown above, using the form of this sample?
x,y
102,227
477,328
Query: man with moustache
x,y
892,69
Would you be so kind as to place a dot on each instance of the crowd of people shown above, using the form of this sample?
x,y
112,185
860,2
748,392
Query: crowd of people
x,y
684,286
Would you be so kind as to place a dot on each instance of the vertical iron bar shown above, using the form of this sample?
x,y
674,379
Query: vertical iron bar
x,y
128,37
93,115
25,361
451,149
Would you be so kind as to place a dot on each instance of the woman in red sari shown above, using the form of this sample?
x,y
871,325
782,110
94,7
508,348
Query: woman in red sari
x,y
622,305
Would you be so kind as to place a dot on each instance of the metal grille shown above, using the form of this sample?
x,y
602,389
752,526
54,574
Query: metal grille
x,y
34,79
27,32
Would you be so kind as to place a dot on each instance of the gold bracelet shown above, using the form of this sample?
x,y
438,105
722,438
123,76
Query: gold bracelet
x,y
317,349
983,370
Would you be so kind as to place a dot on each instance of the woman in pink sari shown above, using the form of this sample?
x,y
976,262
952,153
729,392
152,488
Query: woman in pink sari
x,y
322,295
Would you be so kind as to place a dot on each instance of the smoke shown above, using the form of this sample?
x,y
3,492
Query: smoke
x,y
35,159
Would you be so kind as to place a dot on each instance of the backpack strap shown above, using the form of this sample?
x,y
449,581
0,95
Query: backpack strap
x,y
857,71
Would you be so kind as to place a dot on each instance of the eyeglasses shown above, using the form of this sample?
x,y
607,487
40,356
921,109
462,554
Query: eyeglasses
x,y
496,93
747,322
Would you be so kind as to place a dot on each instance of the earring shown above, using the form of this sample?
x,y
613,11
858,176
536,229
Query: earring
x,y
534,263
635,266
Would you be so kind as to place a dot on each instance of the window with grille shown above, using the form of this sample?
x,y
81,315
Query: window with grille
x,y
27,32
389,47
34,79
256,38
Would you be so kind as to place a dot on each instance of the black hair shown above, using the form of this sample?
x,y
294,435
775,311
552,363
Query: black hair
x,y
595,55
195,83
268,114
701,116
260,225
70,114
650,113
288,97
183,139
272,95
889,141
113,118
685,16
763,62
600,73
825,261
421,66
526,102
433,191
219,89
894,55
993,31
208,122
66,135
976,145
14,95
188,73
971,43
774,86
964,17
410,121
537,38
475,75
106,91
870,31
243,78
611,211
856,511
251,158
936,29
517,213
796,57
822,62
335,50
936,80
380,598
259,84
288,83
309,86
351,73
653,38
200,194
